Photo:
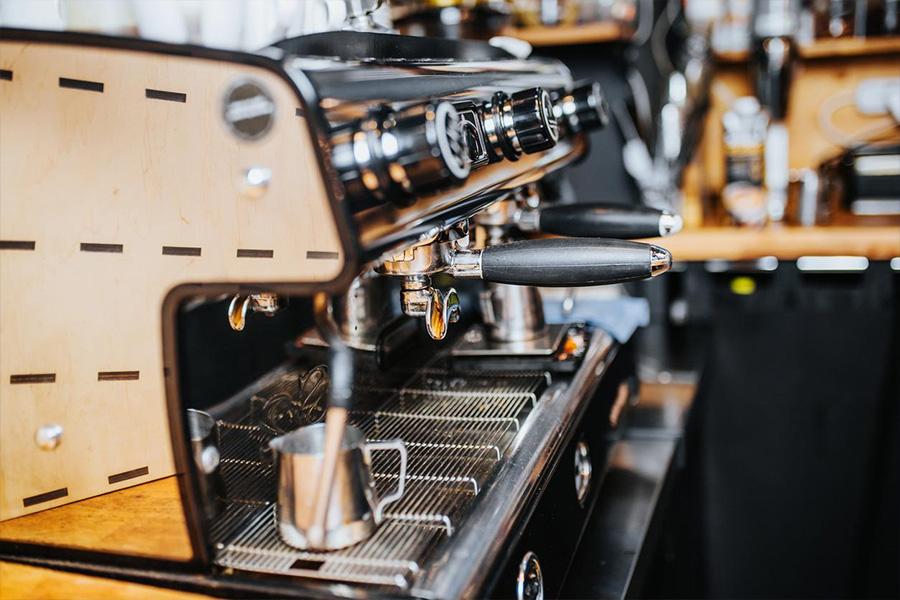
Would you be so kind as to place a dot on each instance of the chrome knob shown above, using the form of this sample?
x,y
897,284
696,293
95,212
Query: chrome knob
x,y
583,470
530,581
359,15
660,260
582,109
430,149
398,156
533,120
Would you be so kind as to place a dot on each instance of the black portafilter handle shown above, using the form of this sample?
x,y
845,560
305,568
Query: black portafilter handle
x,y
607,221
572,262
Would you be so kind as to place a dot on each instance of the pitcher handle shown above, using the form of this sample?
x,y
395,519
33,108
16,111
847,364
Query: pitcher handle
x,y
400,447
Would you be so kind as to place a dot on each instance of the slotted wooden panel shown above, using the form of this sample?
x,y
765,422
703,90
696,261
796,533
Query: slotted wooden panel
x,y
96,184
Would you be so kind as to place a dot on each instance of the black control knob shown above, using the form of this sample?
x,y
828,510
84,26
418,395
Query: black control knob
x,y
582,109
534,123
398,156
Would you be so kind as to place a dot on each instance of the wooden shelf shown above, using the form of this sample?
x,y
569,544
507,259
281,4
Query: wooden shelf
x,y
735,56
24,581
830,48
787,243
568,35
851,46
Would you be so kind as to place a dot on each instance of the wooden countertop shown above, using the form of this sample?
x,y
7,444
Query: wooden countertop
x,y
880,242
145,520
22,582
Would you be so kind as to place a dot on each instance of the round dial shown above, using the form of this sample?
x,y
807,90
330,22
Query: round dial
x,y
534,123
582,109
397,156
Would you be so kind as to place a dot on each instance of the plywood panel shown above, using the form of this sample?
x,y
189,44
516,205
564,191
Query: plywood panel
x,y
80,167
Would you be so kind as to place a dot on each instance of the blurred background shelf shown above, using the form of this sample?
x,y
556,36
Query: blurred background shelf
x,y
851,46
845,47
877,242
568,35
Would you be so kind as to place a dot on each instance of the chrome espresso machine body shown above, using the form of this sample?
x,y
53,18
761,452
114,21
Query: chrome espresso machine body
x,y
431,152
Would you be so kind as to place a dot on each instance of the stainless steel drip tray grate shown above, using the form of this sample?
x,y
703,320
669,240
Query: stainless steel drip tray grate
x,y
465,472
457,429
442,381
383,559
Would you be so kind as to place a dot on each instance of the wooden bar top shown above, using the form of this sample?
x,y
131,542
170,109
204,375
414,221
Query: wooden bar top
x,y
880,242
24,582
144,520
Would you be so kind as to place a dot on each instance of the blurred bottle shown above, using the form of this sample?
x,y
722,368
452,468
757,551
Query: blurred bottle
x,y
454,19
880,17
860,18
838,20
744,195
892,17
772,58
532,13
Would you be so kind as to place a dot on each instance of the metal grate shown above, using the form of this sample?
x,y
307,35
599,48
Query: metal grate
x,y
457,429
383,559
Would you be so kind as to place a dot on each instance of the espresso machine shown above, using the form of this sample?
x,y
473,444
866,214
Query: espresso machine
x,y
431,434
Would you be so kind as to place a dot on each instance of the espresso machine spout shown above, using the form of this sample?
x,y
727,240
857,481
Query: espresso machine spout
x,y
265,303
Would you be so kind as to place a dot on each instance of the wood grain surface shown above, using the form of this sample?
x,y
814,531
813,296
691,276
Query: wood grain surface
x,y
142,520
121,175
24,582
567,35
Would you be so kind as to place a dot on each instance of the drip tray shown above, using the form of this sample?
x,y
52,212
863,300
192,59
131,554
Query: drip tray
x,y
457,428
476,342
